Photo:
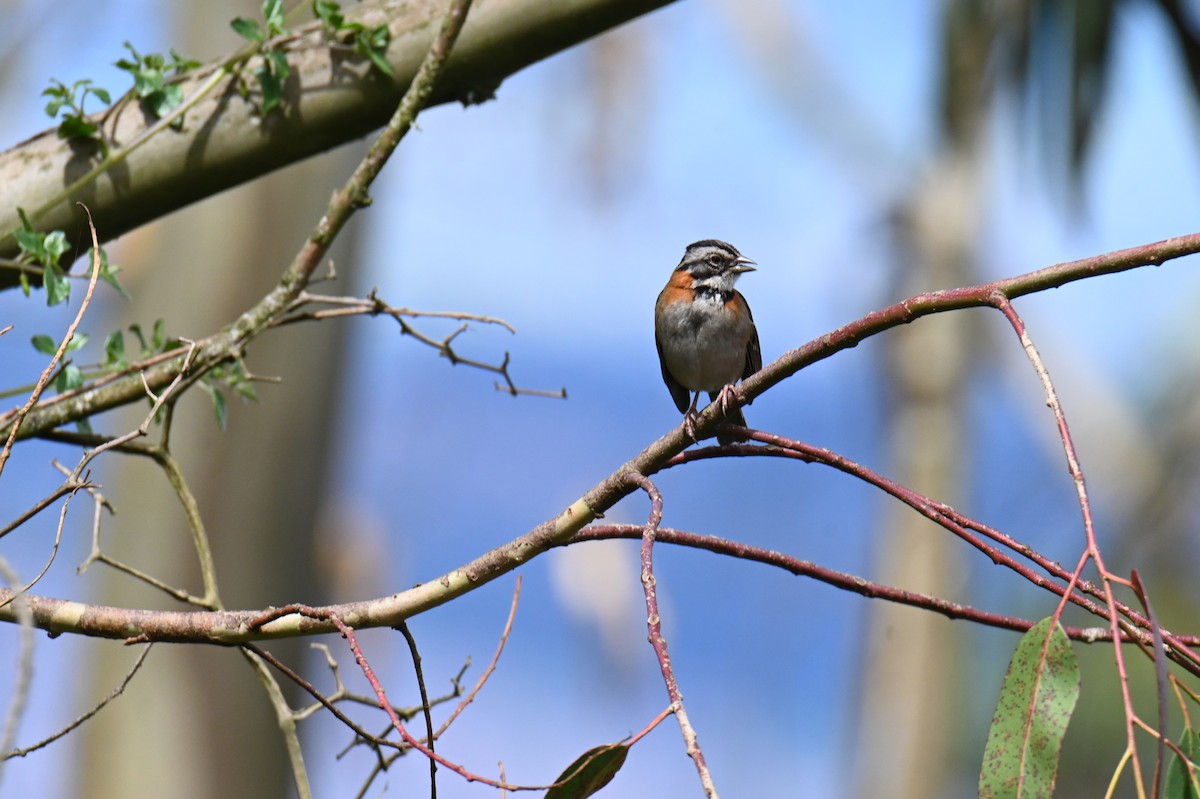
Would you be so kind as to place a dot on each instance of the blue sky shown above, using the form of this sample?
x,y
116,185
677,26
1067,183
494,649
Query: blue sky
x,y
494,209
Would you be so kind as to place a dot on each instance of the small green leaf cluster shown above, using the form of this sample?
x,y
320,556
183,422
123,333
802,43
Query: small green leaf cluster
x,y
371,43
117,357
275,68
70,101
114,345
152,84
44,252
230,376
70,377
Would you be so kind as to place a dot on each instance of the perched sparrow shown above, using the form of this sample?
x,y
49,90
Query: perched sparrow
x,y
706,337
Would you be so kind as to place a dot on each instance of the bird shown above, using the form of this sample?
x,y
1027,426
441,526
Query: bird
x,y
705,334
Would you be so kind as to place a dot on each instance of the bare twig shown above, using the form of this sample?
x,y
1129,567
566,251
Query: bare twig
x,y
1161,680
839,579
1091,549
285,720
658,642
962,526
120,689
383,703
372,305
483,678
40,505
416,659
323,700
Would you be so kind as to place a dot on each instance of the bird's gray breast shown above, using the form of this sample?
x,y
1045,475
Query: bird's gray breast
x,y
704,344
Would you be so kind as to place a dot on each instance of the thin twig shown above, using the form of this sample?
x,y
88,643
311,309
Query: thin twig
x,y
483,678
1092,548
416,659
321,698
285,720
372,305
658,642
120,689
962,526
1161,680
839,579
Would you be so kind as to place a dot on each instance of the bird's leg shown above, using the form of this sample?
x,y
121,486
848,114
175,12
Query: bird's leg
x,y
726,400
689,419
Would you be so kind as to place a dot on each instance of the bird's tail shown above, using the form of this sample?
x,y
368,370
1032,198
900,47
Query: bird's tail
x,y
735,416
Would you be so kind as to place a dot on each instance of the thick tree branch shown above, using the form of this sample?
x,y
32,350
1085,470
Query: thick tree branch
x,y
331,99
227,344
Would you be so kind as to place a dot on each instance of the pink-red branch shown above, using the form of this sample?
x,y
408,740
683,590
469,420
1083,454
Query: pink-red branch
x,y
654,628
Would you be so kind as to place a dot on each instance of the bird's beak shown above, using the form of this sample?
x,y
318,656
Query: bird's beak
x,y
744,264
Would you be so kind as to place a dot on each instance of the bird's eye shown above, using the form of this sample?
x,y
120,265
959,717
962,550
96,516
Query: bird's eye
x,y
714,259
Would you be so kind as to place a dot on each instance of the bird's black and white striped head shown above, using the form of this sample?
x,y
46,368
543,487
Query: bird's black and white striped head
x,y
714,265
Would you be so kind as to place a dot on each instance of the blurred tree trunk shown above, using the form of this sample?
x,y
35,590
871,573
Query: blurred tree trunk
x,y
913,691
911,672
258,484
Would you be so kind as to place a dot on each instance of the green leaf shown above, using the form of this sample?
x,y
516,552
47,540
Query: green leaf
x,y
247,29
136,330
272,11
277,60
245,390
220,407
77,341
1180,784
108,272
24,280
31,242
84,426
167,100
114,349
101,94
58,288
378,37
76,127
109,276
44,344
329,12
69,379
590,772
381,63
372,44
180,64
54,245
1039,694
272,91
159,339
52,107
147,82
